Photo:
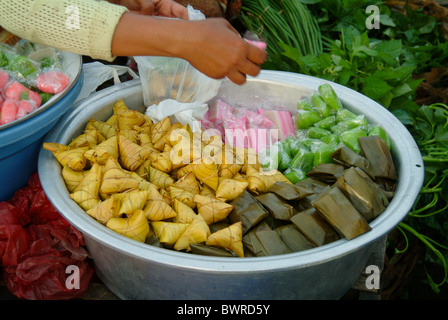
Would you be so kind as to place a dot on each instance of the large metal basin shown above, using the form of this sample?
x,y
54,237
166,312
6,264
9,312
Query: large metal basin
x,y
133,270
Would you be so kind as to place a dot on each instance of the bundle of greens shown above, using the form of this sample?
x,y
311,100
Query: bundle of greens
x,y
283,22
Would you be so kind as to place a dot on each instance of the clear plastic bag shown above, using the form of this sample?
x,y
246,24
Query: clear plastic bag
x,y
97,73
173,87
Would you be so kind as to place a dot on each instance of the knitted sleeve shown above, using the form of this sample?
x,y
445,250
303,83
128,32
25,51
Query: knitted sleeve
x,y
84,27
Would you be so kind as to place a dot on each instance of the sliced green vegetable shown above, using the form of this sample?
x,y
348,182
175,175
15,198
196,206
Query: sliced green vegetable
x,y
344,114
305,104
350,138
303,160
284,156
379,131
326,123
323,154
47,62
45,96
320,105
318,133
331,140
306,118
294,175
358,121
3,60
330,97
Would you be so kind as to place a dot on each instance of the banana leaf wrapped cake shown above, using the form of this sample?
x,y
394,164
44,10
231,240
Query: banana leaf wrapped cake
x,y
164,185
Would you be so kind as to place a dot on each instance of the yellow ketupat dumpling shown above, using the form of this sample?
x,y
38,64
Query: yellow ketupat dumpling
x,y
197,232
185,214
183,195
101,152
260,182
229,189
157,207
116,179
106,209
212,209
159,178
229,238
87,139
86,194
73,157
133,200
207,171
135,227
168,232
160,129
72,178
131,154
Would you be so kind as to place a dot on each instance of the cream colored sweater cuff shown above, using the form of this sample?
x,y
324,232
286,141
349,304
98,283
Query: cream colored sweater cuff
x,y
84,27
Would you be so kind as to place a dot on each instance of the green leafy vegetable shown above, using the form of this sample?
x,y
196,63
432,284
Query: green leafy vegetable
x,y
429,126
278,22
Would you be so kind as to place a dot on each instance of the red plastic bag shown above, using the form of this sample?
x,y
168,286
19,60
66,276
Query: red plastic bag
x,y
41,254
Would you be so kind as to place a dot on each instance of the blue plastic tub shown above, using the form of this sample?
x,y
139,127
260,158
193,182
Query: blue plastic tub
x,y
20,144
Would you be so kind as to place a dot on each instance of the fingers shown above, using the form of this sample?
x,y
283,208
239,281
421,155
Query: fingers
x,y
251,65
250,69
146,7
170,9
236,77
179,11
256,55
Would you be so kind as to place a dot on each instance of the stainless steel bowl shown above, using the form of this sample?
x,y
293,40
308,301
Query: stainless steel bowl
x,y
134,270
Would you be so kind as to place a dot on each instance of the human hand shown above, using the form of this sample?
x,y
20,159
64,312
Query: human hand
x,y
165,8
216,49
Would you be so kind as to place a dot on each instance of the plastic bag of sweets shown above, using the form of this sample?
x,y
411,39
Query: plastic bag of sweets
x,y
30,75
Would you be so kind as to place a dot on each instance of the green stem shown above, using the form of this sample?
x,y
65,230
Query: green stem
x,y
430,214
428,142
433,202
431,159
430,244
397,251
430,190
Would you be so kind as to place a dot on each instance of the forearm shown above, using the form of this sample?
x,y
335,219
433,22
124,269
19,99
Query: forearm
x,y
142,35
81,26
